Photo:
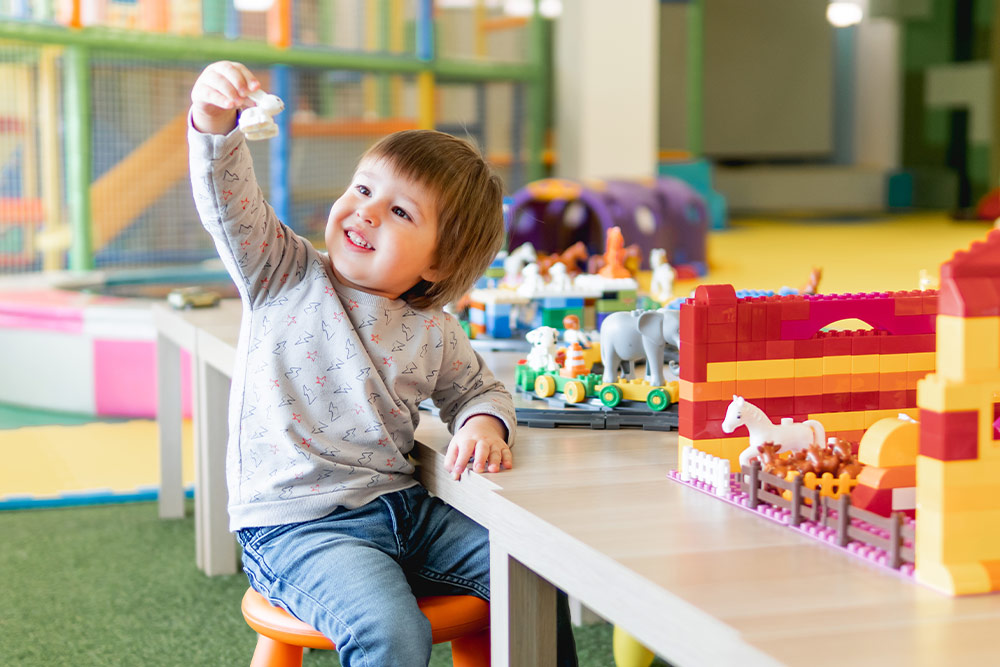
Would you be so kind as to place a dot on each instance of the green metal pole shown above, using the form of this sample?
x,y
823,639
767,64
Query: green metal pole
x,y
79,159
538,97
695,76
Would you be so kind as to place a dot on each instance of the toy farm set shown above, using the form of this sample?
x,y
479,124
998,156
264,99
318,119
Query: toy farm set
x,y
887,438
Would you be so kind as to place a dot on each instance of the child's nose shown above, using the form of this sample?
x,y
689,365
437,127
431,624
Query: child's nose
x,y
369,215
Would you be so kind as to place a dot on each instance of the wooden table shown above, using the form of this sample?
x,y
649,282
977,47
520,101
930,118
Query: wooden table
x,y
592,512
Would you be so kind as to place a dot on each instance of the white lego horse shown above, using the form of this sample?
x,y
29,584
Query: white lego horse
x,y
661,284
789,434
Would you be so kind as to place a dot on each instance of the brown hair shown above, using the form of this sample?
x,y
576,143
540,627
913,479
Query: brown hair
x,y
469,203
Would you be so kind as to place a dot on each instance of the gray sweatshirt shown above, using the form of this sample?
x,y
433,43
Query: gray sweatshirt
x,y
328,379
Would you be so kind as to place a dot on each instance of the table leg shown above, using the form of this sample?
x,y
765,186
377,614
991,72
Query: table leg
x,y
216,545
169,421
522,612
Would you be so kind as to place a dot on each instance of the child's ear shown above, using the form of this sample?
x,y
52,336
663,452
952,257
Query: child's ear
x,y
432,275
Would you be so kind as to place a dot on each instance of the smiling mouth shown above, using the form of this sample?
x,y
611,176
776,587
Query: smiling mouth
x,y
358,241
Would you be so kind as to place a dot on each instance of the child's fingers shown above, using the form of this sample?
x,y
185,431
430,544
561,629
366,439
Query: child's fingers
x,y
495,459
506,458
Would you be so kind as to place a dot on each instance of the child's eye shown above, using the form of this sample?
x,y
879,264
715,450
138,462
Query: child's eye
x,y
401,213
363,189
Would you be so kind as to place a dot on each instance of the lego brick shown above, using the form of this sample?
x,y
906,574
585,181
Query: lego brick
x,y
758,320
939,395
926,342
744,321
837,343
892,381
864,363
864,382
931,303
693,323
873,416
794,308
839,383
779,387
720,352
949,436
777,407
780,349
812,347
920,361
888,400
808,404
892,363
911,303
896,344
715,295
806,386
865,343
970,296
686,388
772,329
751,389
841,420
837,365
720,333
864,400
874,500
692,360
914,377
751,350
836,401
716,410
764,368
713,391
851,435
808,367
722,370
967,347
889,476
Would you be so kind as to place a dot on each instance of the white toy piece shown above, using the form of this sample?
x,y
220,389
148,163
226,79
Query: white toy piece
x,y
542,356
559,280
257,122
515,261
531,280
661,285
791,435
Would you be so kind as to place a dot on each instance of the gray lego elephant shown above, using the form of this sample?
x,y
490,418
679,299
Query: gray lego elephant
x,y
639,334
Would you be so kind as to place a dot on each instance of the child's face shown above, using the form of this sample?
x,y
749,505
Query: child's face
x,y
382,232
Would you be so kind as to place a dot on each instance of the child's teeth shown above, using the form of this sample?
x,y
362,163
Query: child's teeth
x,y
357,240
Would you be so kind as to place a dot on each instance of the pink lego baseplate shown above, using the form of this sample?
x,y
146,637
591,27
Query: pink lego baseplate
x,y
826,534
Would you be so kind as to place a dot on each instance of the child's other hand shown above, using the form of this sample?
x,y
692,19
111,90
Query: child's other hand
x,y
220,90
482,438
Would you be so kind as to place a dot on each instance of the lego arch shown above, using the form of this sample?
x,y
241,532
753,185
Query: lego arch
x,y
538,211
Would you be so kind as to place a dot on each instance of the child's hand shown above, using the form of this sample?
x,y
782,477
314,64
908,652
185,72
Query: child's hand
x,y
483,439
220,90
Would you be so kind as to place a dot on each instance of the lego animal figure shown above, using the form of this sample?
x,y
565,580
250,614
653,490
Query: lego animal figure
x,y
542,356
639,334
559,281
257,122
614,256
514,262
661,285
789,434
531,280
572,258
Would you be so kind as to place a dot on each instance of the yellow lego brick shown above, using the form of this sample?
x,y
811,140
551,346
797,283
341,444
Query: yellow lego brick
x,y
967,347
889,442
956,537
718,371
920,361
936,476
864,363
811,367
953,579
837,365
765,369
937,393
687,390
840,421
892,363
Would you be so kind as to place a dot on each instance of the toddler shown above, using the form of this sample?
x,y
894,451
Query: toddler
x,y
336,352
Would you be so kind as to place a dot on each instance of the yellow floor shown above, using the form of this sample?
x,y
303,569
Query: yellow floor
x,y
114,458
855,256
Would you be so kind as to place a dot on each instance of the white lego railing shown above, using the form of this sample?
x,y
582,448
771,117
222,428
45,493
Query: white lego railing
x,y
712,470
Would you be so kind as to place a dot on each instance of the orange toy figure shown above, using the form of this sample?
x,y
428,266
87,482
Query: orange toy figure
x,y
614,256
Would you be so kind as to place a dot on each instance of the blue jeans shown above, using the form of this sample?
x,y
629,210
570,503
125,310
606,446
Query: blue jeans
x,y
355,574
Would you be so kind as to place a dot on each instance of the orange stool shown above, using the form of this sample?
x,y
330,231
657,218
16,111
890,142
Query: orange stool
x,y
463,620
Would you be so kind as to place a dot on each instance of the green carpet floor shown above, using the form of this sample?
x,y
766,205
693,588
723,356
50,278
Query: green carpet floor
x,y
115,585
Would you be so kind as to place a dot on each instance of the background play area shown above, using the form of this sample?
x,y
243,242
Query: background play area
x,y
869,150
